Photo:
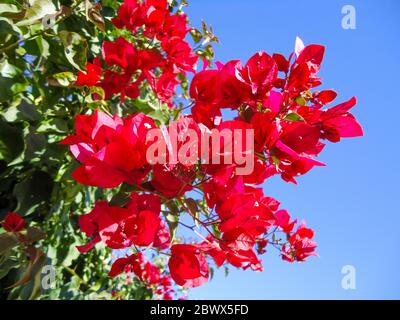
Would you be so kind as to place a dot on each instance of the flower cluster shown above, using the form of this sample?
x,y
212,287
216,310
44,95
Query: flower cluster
x,y
146,272
166,55
273,96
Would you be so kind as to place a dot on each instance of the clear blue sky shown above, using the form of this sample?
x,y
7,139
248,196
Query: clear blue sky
x,y
353,203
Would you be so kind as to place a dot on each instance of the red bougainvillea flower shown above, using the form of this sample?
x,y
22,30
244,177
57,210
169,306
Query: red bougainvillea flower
x,y
121,53
338,123
172,182
260,73
180,56
13,222
114,83
129,15
112,150
188,267
245,211
136,263
138,223
204,88
92,75
146,271
175,26
235,247
164,86
304,69
300,246
283,221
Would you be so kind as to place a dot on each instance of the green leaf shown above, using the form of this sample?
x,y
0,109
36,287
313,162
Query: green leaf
x,y
8,70
7,242
6,85
7,266
33,191
8,28
71,256
226,271
293,116
196,35
301,101
172,221
22,112
43,46
8,8
194,209
75,48
55,125
37,10
11,141
63,79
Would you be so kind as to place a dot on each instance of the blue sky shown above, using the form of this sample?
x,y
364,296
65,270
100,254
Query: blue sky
x,y
352,204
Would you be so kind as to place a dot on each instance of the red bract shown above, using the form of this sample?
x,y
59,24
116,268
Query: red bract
x,y
172,182
175,26
338,123
179,55
13,222
300,245
154,17
245,211
138,223
111,150
115,83
120,53
129,15
283,221
164,87
188,267
260,73
147,272
326,96
204,87
272,95
92,75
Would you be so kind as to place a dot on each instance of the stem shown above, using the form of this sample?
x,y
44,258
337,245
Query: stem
x,y
194,217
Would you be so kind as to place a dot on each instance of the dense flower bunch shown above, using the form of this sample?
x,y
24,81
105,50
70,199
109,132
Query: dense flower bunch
x,y
128,66
146,272
272,96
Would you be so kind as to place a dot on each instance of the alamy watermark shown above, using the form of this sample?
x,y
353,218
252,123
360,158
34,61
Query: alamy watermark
x,y
349,19
349,278
48,277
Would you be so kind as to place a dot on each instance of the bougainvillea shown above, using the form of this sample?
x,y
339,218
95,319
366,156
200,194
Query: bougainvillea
x,y
235,222
132,161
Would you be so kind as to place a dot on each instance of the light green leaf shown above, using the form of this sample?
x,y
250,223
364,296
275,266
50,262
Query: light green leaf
x,y
8,70
8,8
293,116
63,79
37,10
43,46
75,48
